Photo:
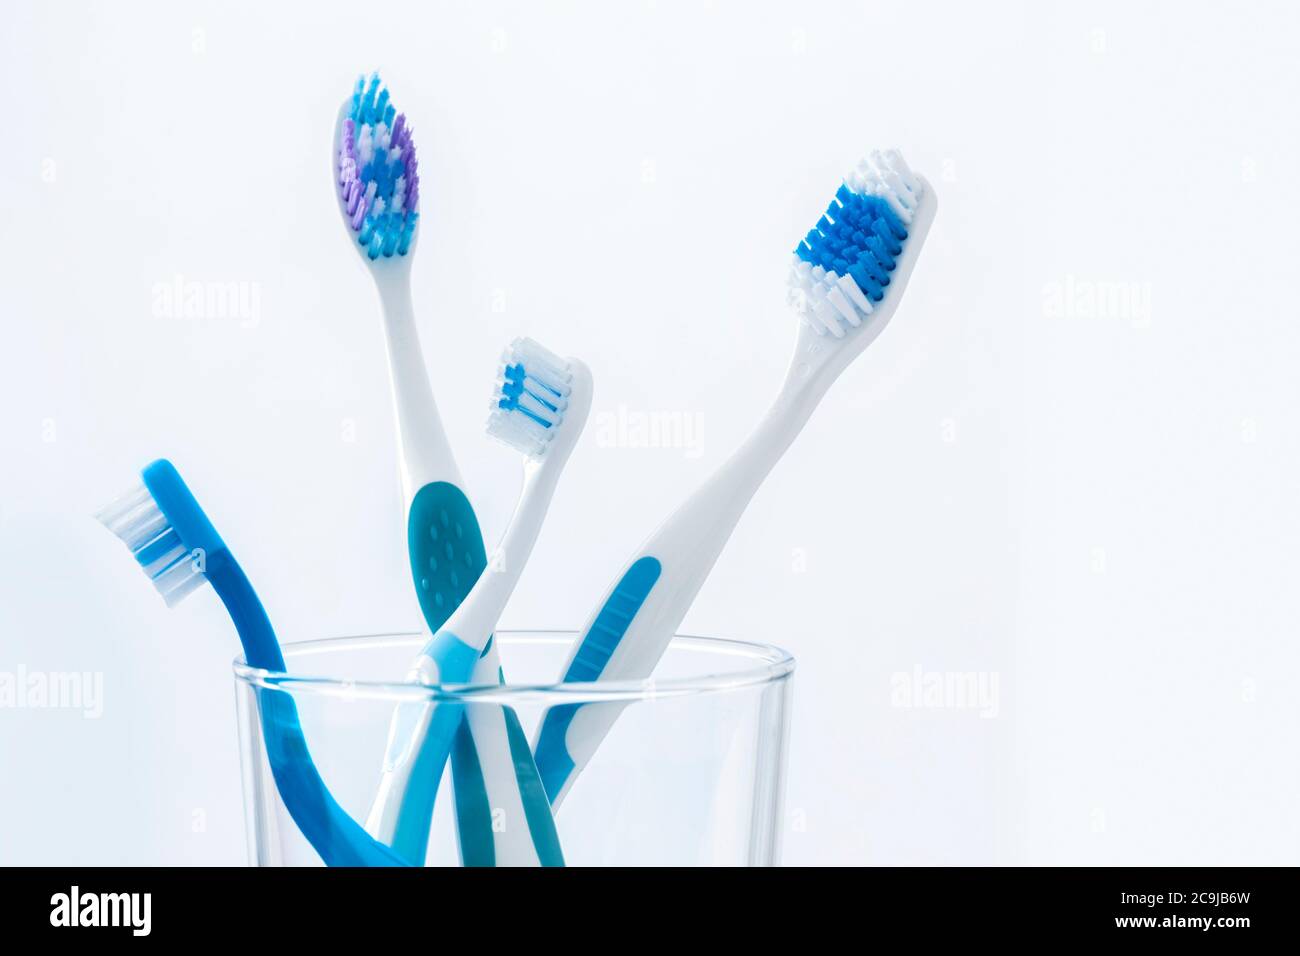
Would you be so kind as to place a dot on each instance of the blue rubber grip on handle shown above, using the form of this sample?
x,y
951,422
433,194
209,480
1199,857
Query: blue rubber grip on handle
x,y
412,833
597,646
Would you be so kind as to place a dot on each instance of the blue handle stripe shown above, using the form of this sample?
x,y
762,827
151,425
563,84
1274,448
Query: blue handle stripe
x,y
473,808
598,645
455,660
411,835
537,808
607,630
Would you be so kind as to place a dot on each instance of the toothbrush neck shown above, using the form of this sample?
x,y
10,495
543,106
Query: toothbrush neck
x,y
261,649
478,614
775,432
425,453
715,509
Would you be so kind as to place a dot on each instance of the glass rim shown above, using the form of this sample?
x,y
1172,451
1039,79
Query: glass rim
x,y
770,664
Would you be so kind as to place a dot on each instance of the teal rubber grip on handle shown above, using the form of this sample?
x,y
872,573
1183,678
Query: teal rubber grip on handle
x,y
447,557
446,550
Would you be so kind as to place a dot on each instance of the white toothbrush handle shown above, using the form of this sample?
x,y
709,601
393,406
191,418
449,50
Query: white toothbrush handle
x,y
519,816
423,448
420,738
628,633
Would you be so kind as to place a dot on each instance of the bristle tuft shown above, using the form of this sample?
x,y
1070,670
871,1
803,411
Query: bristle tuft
x,y
378,177
157,548
844,264
531,396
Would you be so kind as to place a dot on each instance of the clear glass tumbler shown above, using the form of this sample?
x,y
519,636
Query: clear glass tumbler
x,y
692,773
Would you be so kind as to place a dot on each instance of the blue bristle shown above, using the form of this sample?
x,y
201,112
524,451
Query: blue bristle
x,y
365,100
155,549
513,389
541,421
859,236
356,98
391,235
408,230
383,232
513,385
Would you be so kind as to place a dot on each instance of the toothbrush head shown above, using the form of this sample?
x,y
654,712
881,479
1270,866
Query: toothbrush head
x,y
162,524
376,173
851,268
541,401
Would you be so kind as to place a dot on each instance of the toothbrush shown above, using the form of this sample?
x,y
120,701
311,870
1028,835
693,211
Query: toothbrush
x,y
846,280
378,188
540,407
379,197
179,549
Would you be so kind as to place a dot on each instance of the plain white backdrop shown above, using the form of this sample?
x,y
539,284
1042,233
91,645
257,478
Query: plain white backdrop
x,y
1067,468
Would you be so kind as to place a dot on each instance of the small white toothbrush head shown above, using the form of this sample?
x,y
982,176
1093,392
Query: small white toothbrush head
x,y
541,400
376,174
850,270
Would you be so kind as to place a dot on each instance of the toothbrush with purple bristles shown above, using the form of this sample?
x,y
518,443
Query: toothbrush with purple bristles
x,y
378,189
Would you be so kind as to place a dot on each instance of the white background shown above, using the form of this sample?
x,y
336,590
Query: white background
x,y
1093,501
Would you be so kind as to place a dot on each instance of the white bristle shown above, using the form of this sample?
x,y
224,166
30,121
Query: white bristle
x,y
137,520
182,591
159,565
536,403
887,175
831,303
133,499
178,580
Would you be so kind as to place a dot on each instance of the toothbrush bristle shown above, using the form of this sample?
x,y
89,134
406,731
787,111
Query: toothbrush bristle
x,y
531,396
843,266
378,173
137,520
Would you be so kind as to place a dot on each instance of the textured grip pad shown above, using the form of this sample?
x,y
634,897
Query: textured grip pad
x,y
446,549
447,556
598,645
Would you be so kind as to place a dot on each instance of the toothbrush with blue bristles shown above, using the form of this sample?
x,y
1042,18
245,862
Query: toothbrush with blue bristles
x,y
847,278
377,176
161,522
539,408
379,198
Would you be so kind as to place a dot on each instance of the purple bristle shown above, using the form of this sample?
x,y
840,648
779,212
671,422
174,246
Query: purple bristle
x,y
370,186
